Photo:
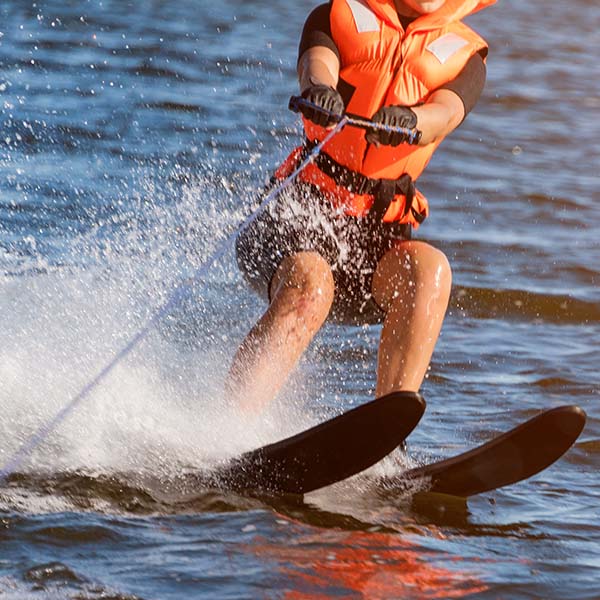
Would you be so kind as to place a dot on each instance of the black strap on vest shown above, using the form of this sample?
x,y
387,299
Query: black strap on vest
x,y
383,190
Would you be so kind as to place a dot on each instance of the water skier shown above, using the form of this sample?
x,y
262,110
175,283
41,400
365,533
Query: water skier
x,y
339,242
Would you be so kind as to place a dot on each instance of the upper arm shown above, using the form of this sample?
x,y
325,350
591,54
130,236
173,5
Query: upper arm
x,y
469,83
317,53
447,106
317,31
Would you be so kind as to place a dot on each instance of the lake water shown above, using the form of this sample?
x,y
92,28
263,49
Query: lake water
x,y
133,138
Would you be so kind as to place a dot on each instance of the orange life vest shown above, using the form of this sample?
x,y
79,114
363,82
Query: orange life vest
x,y
381,64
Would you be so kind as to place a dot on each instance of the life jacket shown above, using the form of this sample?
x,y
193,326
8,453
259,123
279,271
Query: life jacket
x,y
382,64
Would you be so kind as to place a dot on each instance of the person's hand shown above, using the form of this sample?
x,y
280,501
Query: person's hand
x,y
326,98
392,116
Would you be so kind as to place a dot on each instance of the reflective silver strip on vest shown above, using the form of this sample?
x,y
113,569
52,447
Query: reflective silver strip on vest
x,y
364,17
446,46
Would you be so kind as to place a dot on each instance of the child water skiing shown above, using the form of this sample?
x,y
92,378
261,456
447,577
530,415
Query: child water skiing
x,y
339,242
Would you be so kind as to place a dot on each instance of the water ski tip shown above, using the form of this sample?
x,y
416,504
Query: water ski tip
x,y
330,451
509,458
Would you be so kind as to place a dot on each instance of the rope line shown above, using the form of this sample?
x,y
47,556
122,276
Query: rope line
x,y
178,293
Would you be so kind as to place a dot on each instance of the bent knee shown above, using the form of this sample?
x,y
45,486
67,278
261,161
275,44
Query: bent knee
x,y
412,267
307,278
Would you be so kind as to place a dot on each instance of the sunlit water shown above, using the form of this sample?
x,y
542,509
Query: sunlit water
x,y
133,138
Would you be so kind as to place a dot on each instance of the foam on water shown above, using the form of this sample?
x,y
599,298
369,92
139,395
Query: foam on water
x,y
55,580
161,407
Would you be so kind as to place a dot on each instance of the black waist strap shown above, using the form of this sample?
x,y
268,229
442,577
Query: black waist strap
x,y
382,190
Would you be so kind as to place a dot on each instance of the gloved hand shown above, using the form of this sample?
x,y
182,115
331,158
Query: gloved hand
x,y
324,97
392,116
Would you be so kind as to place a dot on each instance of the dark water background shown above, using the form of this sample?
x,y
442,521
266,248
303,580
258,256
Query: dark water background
x,y
132,138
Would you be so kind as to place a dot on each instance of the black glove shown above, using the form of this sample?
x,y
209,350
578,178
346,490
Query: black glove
x,y
393,116
324,97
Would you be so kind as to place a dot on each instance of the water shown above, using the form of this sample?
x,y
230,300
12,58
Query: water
x,y
133,137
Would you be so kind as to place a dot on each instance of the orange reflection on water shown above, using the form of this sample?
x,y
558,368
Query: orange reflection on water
x,y
376,566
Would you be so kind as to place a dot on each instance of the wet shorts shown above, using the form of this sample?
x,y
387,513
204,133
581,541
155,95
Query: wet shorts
x,y
300,219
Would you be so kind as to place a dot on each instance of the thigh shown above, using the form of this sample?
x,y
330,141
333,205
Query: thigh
x,y
369,241
294,223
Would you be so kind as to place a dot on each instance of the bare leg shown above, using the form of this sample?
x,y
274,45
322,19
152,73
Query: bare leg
x,y
412,284
302,294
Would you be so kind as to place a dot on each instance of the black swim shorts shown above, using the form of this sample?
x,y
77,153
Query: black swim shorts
x,y
300,219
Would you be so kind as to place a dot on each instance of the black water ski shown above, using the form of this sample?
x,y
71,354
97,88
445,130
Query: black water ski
x,y
329,452
511,457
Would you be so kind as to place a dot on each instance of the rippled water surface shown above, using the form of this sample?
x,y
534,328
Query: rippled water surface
x,y
133,137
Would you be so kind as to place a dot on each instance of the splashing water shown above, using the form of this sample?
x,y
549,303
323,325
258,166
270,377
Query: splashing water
x,y
162,407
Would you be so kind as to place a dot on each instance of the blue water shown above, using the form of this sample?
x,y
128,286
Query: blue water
x,y
133,138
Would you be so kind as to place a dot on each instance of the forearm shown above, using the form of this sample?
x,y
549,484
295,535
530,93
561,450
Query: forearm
x,y
442,113
318,65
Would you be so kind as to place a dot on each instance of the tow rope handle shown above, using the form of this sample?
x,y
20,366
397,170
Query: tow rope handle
x,y
413,135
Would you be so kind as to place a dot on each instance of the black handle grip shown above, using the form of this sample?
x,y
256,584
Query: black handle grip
x,y
296,102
